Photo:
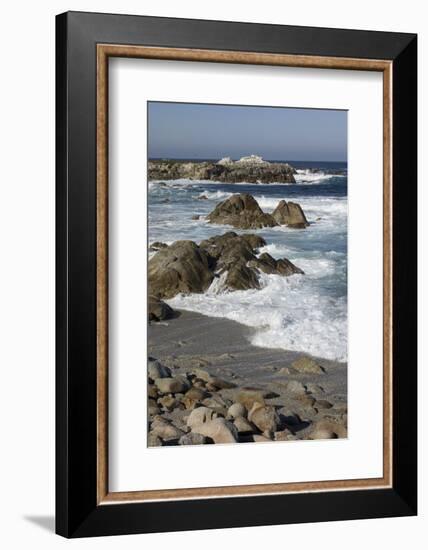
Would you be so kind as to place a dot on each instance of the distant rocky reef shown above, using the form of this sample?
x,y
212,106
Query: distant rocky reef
x,y
252,169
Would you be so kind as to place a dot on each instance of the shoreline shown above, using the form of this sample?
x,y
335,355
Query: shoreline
x,y
220,348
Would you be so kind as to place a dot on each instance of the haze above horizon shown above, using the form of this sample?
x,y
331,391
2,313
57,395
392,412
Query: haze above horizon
x,y
206,131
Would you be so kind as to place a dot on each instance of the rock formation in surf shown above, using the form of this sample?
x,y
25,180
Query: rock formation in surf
x,y
252,169
230,260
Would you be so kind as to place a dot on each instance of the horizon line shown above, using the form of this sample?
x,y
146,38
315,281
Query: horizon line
x,y
267,159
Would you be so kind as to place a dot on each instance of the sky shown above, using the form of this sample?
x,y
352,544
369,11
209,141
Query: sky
x,y
197,131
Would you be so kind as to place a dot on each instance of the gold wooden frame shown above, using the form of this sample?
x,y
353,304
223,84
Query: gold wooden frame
x,y
104,51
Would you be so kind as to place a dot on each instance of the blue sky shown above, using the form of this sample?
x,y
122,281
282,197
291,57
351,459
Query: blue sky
x,y
189,130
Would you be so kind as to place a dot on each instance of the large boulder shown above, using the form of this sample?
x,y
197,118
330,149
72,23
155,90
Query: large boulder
x,y
241,211
290,214
182,267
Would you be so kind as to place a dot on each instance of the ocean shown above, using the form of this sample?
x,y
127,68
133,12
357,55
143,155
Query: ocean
x,y
305,313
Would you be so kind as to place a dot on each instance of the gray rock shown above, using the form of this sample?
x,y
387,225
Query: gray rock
x,y
327,429
307,365
284,370
152,391
266,263
264,417
248,169
229,259
236,410
248,397
165,429
152,407
171,385
258,438
158,245
290,214
155,369
243,426
167,402
199,416
183,267
192,438
322,404
193,396
294,386
241,211
284,435
215,382
218,429
159,310
154,440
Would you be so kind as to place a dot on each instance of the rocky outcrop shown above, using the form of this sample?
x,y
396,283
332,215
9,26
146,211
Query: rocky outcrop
x,y
290,214
228,260
241,211
252,169
182,267
269,265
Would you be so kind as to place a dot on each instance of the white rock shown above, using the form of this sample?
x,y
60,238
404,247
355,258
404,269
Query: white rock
x,y
199,416
236,410
218,429
225,161
252,159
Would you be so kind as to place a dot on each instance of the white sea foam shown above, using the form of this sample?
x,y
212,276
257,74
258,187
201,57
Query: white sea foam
x,y
216,195
286,312
308,177
302,312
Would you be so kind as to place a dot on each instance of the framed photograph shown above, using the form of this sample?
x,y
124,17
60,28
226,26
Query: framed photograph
x,y
236,274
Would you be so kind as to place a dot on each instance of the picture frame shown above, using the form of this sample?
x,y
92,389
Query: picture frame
x,y
84,44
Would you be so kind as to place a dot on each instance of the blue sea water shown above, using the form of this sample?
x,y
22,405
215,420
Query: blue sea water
x,y
302,312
